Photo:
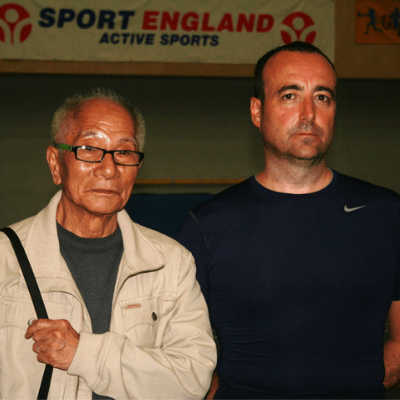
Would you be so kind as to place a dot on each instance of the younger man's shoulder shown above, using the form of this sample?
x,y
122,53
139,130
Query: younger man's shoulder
x,y
225,200
361,187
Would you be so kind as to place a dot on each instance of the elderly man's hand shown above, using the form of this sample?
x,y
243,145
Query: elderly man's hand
x,y
55,342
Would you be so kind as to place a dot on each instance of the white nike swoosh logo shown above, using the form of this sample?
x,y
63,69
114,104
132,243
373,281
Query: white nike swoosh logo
x,y
353,209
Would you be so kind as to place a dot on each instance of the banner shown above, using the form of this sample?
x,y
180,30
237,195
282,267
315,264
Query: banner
x,y
203,31
378,21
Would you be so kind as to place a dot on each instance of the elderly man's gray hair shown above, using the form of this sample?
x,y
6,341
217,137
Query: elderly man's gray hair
x,y
72,106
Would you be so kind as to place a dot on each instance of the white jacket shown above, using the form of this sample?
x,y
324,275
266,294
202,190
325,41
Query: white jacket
x,y
159,344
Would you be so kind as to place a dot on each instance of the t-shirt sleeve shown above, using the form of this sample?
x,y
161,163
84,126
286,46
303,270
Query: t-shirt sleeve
x,y
192,237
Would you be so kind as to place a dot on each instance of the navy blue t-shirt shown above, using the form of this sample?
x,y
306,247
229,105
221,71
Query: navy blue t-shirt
x,y
298,286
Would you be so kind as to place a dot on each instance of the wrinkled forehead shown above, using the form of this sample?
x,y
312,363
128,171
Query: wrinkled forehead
x,y
101,108
99,118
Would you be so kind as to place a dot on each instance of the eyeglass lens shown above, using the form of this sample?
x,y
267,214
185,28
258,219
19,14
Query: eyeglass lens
x,y
121,157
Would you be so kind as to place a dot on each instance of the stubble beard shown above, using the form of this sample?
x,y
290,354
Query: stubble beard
x,y
292,152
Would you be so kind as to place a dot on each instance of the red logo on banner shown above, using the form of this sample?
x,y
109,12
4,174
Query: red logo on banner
x,y
12,15
299,23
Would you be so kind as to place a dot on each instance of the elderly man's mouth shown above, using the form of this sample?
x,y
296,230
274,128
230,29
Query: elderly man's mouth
x,y
104,191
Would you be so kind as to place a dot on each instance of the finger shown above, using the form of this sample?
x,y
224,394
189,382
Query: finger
x,y
31,330
36,325
29,333
36,347
42,357
42,323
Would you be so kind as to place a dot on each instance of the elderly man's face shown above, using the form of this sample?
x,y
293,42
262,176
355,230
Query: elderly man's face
x,y
97,188
296,120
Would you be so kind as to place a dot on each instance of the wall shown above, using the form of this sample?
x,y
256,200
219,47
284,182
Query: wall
x,y
198,128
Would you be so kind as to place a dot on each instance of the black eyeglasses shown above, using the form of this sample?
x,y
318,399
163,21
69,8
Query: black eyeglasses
x,y
129,158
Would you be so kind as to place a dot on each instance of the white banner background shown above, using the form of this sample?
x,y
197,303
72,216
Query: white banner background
x,y
206,31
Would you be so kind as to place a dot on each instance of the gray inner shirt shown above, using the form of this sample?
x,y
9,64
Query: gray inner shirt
x,y
94,266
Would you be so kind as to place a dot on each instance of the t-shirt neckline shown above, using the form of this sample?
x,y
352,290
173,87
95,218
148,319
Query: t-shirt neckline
x,y
290,196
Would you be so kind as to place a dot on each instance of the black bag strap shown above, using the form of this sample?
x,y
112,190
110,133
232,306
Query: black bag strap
x,y
37,300
27,272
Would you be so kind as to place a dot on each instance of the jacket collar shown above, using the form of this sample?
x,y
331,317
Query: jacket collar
x,y
43,251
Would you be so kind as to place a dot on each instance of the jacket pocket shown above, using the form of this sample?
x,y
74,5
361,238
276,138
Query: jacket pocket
x,y
16,312
142,316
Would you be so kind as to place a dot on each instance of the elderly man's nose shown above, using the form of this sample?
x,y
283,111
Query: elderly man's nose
x,y
107,167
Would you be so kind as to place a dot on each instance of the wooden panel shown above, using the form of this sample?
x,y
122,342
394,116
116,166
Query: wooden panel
x,y
126,68
142,182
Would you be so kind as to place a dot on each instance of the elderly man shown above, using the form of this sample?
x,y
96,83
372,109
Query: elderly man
x,y
127,317
299,264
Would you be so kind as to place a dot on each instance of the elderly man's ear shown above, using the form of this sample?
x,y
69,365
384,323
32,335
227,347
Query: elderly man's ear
x,y
53,160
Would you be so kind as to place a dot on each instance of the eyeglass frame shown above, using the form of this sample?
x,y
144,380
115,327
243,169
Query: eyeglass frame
x,y
74,149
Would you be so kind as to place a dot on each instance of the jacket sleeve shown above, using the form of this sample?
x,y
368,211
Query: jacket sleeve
x,y
180,366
